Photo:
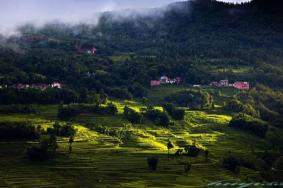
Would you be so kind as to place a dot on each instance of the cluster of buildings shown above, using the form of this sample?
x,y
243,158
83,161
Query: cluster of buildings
x,y
237,85
222,83
165,80
41,87
90,51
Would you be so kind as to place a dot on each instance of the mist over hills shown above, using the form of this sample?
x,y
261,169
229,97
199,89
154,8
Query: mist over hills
x,y
187,39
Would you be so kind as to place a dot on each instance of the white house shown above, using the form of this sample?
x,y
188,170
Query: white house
x,y
56,85
164,80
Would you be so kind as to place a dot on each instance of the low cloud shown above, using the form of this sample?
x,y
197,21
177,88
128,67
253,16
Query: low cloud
x,y
15,13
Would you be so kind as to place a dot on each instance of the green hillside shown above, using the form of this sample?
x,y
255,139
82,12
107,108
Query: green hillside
x,y
105,158
106,126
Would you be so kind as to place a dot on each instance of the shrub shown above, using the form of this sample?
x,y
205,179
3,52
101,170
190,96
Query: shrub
x,y
36,153
250,124
45,150
177,114
269,157
158,117
193,150
138,90
206,152
187,168
68,111
110,109
236,106
231,163
248,163
152,163
65,130
191,98
179,152
131,115
101,129
120,93
18,130
170,145
266,114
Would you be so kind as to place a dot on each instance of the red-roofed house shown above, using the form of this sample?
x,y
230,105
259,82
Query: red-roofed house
x,y
242,85
154,83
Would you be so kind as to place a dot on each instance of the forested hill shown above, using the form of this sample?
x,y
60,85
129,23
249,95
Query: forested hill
x,y
203,28
200,41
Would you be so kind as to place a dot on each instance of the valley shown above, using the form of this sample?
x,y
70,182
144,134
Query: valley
x,y
102,160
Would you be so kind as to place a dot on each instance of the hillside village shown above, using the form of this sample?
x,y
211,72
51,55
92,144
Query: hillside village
x,y
164,80
225,83
39,86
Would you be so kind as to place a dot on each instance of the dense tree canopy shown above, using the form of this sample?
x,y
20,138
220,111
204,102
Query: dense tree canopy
x,y
199,41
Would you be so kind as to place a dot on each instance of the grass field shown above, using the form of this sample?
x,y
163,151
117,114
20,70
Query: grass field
x,y
100,160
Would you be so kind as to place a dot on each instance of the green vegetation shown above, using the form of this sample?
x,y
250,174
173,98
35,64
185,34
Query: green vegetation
x,y
107,128
177,114
158,117
66,130
248,123
17,109
235,106
152,163
69,111
133,116
109,139
193,150
18,131
46,149
129,55
195,99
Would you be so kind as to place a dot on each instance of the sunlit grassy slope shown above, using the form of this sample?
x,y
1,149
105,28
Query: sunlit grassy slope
x,y
100,160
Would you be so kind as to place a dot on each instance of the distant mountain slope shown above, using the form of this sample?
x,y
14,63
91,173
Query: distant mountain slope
x,y
199,40
202,28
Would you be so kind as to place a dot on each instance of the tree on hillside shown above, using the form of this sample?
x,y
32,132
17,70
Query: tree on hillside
x,y
71,140
131,115
103,97
187,168
206,152
152,163
45,150
191,98
169,146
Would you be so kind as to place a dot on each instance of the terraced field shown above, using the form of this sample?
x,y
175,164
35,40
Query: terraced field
x,y
100,160
110,160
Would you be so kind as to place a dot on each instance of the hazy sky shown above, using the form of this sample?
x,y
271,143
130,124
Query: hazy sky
x,y
15,12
